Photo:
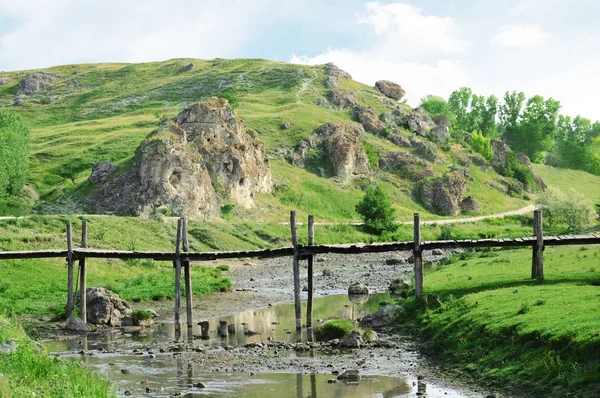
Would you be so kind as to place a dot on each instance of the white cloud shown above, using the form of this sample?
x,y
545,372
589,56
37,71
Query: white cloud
x,y
520,36
403,37
74,31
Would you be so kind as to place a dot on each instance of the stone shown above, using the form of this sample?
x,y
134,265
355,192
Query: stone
x,y
190,166
523,159
354,340
327,272
358,288
334,74
301,152
399,140
442,120
369,120
9,346
399,287
499,149
444,194
188,67
75,324
438,252
349,375
105,307
332,381
36,82
381,318
428,151
286,125
394,261
346,154
343,98
442,133
200,385
419,122
540,182
470,205
3,81
405,165
101,171
390,89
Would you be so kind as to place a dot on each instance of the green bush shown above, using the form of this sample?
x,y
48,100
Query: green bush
x,y
140,315
514,169
227,210
481,145
334,329
372,154
376,211
572,209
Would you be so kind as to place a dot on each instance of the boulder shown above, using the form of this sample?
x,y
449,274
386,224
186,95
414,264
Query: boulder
x,y
399,140
334,74
397,117
383,317
354,340
189,166
523,159
369,120
442,133
540,183
419,122
499,149
443,195
442,121
470,205
188,67
390,89
428,151
105,307
350,375
286,125
358,288
9,346
399,287
75,324
36,82
300,155
343,98
3,81
101,171
394,261
405,165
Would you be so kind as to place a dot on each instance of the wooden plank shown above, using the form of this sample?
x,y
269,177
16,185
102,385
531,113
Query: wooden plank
x,y
19,255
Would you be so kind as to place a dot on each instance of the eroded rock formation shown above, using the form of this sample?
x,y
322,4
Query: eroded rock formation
x,y
334,74
390,89
36,82
419,122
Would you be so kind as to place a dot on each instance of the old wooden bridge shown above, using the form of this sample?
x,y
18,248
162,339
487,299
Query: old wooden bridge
x,y
182,258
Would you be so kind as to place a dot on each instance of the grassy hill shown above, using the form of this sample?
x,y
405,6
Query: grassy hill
x,y
94,112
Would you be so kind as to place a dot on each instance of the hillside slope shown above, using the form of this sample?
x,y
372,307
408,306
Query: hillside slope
x,y
83,114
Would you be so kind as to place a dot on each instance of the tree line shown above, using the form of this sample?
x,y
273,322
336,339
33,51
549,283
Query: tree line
x,y
533,126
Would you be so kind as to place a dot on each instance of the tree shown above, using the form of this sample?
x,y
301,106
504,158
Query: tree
x,y
458,103
573,209
573,140
14,153
376,211
436,106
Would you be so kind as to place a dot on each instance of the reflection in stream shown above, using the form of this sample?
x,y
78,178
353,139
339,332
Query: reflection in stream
x,y
139,365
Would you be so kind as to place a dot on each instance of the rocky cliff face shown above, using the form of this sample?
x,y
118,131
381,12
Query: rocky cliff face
x,y
190,166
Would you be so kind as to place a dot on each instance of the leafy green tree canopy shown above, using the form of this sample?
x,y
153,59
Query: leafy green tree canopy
x,y
14,153
376,211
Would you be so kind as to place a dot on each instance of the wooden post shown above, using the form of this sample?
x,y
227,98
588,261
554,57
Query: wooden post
x,y
188,277
539,233
534,249
223,329
231,328
204,329
82,274
69,270
417,256
296,268
177,264
311,241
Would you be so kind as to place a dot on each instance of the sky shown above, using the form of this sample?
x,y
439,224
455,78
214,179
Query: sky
x,y
545,47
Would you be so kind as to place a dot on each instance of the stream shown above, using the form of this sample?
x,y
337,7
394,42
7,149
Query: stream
x,y
264,357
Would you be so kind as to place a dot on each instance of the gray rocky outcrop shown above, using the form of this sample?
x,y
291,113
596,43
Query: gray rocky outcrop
x,y
334,74
190,165
499,149
444,194
75,324
523,159
382,318
390,89
343,98
470,205
304,146
36,82
442,127
101,171
429,151
419,122
3,81
369,120
354,340
405,165
105,307
400,141
358,288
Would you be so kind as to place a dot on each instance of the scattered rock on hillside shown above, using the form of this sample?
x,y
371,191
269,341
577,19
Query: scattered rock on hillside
x,y
75,324
358,288
479,161
444,194
190,165
499,149
300,155
390,89
523,159
36,82
399,287
3,81
105,307
442,127
369,120
188,67
343,98
399,140
334,74
101,171
346,153
405,165
286,125
428,151
419,122
470,205
354,340
442,120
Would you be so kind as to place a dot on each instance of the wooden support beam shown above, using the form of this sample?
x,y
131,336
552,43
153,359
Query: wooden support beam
x,y
188,277
534,250
69,270
537,217
177,263
310,258
82,275
296,270
417,253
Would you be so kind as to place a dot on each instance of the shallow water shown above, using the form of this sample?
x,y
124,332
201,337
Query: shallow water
x,y
167,373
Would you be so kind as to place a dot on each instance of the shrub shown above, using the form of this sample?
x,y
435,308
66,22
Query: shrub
x,y
376,211
481,145
445,233
223,267
572,209
514,169
227,210
372,154
140,315
334,329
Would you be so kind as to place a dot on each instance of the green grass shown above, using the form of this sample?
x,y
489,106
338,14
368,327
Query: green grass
x,y
563,179
334,329
492,320
30,372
